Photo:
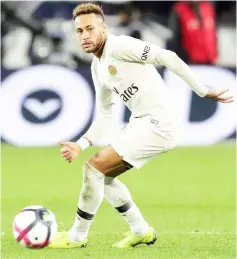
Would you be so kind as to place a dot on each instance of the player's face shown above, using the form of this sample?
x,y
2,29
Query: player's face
x,y
91,31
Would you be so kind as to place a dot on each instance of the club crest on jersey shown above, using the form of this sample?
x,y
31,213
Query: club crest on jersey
x,y
112,70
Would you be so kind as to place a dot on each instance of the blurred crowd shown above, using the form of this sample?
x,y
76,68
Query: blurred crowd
x,y
35,32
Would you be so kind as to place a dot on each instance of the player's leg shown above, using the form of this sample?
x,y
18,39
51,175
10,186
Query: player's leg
x,y
118,195
105,162
110,164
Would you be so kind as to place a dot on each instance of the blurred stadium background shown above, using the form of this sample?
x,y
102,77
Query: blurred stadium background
x,y
48,96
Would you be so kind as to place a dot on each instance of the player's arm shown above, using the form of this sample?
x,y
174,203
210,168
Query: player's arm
x,y
134,50
99,126
103,118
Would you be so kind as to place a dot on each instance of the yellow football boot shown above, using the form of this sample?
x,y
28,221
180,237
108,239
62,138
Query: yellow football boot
x,y
62,241
131,239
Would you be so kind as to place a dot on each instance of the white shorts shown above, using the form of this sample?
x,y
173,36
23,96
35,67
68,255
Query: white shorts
x,y
141,140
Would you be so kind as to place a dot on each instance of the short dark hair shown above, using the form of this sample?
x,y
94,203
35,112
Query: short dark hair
x,y
87,8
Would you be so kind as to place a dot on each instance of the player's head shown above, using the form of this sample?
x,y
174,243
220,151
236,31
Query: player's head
x,y
90,26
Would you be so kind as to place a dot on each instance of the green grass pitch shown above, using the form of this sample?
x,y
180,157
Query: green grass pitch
x,y
187,195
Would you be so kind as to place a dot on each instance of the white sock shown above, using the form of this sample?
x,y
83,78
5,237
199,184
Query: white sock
x,y
89,201
118,195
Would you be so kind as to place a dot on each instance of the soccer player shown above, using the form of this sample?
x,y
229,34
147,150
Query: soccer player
x,y
123,66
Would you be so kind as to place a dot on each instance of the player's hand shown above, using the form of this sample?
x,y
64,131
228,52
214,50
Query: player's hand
x,y
218,96
70,150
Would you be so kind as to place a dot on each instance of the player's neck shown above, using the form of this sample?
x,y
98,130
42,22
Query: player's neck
x,y
99,52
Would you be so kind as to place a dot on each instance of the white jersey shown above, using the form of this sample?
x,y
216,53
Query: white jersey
x,y
126,68
138,85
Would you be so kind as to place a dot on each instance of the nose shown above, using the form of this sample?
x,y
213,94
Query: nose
x,y
85,35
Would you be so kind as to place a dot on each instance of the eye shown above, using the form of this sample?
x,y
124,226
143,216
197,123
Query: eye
x,y
90,29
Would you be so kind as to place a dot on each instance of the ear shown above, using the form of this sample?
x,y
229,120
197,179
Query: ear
x,y
104,28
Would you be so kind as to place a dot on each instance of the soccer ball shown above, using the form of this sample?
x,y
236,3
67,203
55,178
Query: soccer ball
x,y
34,227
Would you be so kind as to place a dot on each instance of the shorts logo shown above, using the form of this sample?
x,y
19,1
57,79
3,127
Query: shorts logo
x,y
155,121
145,52
112,70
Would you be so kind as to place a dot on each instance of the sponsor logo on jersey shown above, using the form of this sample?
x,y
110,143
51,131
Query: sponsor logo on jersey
x,y
112,70
127,94
145,52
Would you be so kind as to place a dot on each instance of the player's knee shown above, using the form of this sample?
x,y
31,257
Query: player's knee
x,y
97,161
